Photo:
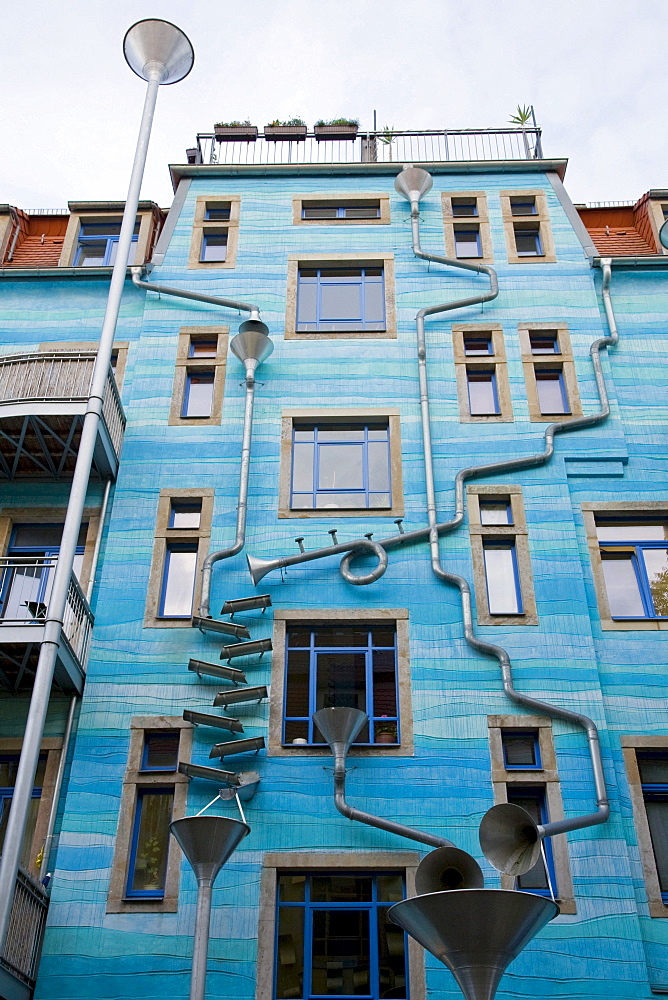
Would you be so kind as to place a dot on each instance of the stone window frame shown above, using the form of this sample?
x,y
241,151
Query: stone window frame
x,y
133,779
332,416
201,226
52,747
165,534
188,366
532,363
541,218
338,199
497,361
275,862
546,775
331,260
652,508
450,221
9,516
121,348
630,746
517,531
105,214
399,616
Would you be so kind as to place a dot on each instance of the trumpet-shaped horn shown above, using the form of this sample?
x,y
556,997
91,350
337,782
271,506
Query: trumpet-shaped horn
x,y
448,868
260,567
475,932
510,839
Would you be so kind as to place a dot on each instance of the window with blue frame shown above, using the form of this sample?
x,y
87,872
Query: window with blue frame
x,y
178,580
218,211
544,342
198,394
504,594
521,749
334,938
214,246
149,848
463,207
161,750
527,239
533,800
653,767
476,344
467,241
634,558
495,510
341,465
368,208
27,577
185,513
340,299
8,768
551,390
341,666
98,242
482,392
523,205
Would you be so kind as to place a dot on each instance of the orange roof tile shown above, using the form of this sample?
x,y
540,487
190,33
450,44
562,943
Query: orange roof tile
x,y
615,241
36,251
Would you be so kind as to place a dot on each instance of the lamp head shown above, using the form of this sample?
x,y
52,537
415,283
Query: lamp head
x,y
152,45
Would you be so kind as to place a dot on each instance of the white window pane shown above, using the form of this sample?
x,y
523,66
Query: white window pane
x,y
200,396
374,302
621,585
482,398
302,468
340,301
307,301
340,467
657,817
631,532
379,466
495,513
550,396
178,597
501,583
466,245
656,563
334,500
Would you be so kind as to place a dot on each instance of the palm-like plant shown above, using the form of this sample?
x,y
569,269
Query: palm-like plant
x,y
522,116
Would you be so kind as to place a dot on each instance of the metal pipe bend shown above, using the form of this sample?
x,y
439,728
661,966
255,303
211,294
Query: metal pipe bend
x,y
375,574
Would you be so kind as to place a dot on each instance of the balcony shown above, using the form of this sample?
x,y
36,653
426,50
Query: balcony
x,y
18,964
25,587
428,146
43,400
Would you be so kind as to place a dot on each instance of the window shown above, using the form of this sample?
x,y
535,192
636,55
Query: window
x,y
467,241
145,868
332,665
653,768
341,209
552,389
464,207
9,764
501,561
634,559
533,800
198,395
340,299
482,378
183,527
341,465
470,239
25,584
334,937
521,749
213,245
98,243
199,376
526,224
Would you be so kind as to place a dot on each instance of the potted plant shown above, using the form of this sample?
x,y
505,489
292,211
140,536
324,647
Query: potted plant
x,y
336,128
235,132
385,732
292,130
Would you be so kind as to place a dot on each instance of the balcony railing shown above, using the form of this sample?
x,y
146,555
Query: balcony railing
x,y
25,588
26,930
429,146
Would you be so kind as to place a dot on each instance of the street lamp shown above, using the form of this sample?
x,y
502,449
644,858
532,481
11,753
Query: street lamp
x,y
160,53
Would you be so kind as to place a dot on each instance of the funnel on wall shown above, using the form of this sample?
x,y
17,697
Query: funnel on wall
x,y
339,726
413,183
475,932
208,841
510,839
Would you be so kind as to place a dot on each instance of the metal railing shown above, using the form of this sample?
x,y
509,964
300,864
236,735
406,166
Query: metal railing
x,y
25,588
26,929
428,146
59,377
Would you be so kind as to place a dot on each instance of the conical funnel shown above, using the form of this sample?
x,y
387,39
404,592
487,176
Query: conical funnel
x,y
475,932
339,726
413,183
152,42
207,842
510,838
252,344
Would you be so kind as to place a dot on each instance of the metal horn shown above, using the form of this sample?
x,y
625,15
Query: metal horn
x,y
448,868
510,839
360,546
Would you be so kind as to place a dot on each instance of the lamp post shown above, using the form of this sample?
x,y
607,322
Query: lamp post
x,y
159,53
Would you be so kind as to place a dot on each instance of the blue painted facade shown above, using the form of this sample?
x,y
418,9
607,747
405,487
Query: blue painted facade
x,y
610,946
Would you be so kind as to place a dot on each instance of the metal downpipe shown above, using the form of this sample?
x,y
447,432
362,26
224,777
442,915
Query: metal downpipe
x,y
182,293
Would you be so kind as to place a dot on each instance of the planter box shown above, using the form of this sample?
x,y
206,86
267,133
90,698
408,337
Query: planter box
x,y
285,133
235,133
335,132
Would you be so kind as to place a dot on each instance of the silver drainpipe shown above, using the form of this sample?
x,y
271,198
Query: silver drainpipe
x,y
252,346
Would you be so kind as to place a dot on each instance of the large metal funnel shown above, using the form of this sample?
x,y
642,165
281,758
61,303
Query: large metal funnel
x,y
207,842
510,838
154,42
252,344
475,932
339,726
413,183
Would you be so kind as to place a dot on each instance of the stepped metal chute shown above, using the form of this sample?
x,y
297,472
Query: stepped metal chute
x,y
201,667
260,646
240,695
216,721
223,628
248,745
475,932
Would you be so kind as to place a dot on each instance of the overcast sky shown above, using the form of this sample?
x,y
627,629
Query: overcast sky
x,y
593,69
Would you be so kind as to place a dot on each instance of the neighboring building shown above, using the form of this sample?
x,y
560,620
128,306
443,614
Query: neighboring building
x,y
568,562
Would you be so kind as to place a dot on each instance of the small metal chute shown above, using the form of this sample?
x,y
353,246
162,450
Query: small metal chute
x,y
475,932
510,839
